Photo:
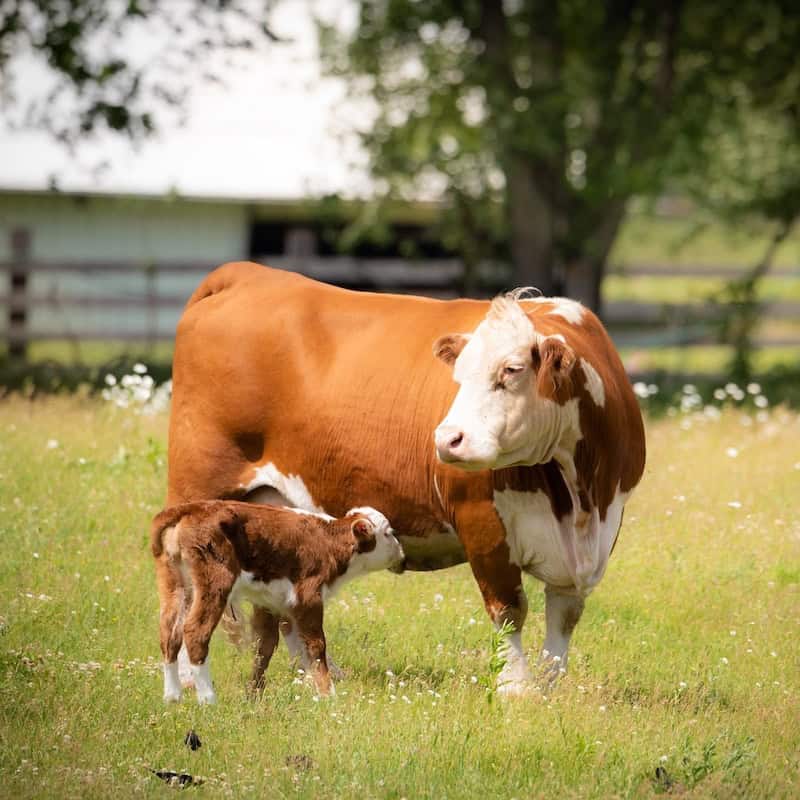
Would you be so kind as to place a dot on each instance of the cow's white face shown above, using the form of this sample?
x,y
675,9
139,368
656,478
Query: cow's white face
x,y
513,383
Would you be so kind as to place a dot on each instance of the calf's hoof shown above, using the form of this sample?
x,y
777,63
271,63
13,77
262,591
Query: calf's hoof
x,y
172,697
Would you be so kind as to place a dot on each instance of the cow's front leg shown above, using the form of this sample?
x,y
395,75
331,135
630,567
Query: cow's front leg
x,y
562,610
500,583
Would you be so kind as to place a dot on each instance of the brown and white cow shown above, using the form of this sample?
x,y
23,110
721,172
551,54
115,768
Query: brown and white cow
x,y
294,392
286,562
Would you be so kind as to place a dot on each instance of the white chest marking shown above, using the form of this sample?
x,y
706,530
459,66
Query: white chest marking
x,y
278,596
572,551
291,487
533,535
594,383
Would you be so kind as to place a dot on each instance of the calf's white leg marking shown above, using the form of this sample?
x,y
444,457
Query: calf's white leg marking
x,y
202,683
185,668
172,683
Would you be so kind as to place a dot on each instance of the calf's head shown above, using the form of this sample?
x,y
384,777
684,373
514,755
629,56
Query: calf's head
x,y
513,383
375,544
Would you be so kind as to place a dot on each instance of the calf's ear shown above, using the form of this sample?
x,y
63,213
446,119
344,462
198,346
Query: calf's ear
x,y
553,361
364,534
447,348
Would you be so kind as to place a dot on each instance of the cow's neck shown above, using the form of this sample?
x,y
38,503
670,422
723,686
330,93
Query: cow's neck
x,y
556,430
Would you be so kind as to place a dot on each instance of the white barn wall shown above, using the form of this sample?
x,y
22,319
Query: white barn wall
x,y
140,231
120,228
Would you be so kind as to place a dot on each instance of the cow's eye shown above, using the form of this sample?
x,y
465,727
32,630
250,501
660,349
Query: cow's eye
x,y
512,369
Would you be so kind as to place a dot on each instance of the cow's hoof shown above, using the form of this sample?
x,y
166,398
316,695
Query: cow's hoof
x,y
172,697
518,688
551,670
208,699
335,671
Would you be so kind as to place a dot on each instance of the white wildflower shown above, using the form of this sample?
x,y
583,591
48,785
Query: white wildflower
x,y
732,452
734,504
139,368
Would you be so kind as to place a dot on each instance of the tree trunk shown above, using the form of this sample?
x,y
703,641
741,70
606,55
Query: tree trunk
x,y
531,225
584,274
583,277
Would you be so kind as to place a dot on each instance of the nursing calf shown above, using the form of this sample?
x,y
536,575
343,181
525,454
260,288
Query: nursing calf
x,y
285,562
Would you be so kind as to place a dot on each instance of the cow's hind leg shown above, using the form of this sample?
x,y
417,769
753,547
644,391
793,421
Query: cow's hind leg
x,y
500,583
265,632
562,610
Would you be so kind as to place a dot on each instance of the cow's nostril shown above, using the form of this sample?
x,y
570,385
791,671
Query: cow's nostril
x,y
456,441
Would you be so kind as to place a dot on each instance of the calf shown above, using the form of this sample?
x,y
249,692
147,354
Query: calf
x,y
285,562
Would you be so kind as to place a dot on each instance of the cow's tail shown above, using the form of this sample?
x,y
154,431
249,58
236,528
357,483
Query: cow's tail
x,y
235,624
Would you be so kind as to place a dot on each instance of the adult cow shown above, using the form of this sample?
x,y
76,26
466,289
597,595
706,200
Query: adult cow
x,y
291,391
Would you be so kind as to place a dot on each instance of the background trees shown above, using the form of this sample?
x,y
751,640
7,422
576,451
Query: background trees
x,y
115,64
562,111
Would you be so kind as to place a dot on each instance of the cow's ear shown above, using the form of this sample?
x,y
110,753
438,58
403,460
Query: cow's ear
x,y
364,533
553,361
449,347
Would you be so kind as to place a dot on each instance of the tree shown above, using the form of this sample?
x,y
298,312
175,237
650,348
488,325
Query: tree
x,y
115,64
561,111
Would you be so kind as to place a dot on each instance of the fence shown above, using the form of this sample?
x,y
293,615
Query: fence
x,y
142,301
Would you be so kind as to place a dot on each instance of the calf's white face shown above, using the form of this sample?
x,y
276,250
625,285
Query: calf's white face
x,y
370,526
513,383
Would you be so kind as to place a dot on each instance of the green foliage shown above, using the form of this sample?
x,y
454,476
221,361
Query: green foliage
x,y
91,50
498,647
560,112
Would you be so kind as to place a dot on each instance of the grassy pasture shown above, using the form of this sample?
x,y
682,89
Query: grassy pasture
x,y
687,658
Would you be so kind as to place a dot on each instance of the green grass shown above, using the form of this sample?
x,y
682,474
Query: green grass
x,y
681,289
687,657
683,241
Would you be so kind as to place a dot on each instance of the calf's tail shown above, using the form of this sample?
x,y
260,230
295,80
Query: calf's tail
x,y
166,519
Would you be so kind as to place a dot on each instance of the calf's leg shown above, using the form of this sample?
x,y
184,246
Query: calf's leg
x,y
309,627
265,631
212,580
171,596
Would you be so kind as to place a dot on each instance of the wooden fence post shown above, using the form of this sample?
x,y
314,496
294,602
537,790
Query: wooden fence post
x,y
18,293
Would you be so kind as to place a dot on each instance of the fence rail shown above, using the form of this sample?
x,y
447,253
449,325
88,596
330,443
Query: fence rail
x,y
128,301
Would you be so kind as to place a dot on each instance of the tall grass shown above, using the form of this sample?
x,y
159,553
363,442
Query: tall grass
x,y
684,674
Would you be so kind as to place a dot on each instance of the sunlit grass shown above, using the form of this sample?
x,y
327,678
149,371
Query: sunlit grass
x,y
710,359
678,241
680,289
686,659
